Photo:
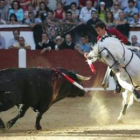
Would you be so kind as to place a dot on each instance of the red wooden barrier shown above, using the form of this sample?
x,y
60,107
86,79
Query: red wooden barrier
x,y
8,58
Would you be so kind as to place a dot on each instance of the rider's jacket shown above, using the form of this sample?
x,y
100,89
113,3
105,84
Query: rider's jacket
x,y
115,32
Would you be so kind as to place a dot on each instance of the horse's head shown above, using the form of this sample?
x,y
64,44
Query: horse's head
x,y
93,55
107,53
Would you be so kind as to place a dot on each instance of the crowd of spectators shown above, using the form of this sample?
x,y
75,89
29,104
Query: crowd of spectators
x,y
57,17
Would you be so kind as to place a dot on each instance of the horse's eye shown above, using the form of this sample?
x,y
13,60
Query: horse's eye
x,y
107,56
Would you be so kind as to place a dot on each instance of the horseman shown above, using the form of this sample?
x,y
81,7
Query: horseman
x,y
103,32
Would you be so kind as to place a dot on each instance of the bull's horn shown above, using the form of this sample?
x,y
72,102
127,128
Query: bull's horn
x,y
80,77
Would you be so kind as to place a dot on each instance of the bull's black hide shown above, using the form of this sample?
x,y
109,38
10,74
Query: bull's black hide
x,y
36,88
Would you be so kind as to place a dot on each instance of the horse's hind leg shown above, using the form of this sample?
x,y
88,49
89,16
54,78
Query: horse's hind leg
x,y
127,97
21,113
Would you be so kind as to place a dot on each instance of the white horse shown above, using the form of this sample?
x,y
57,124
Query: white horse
x,y
123,62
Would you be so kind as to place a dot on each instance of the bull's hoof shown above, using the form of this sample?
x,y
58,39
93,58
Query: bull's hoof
x,y
2,125
9,124
38,127
119,121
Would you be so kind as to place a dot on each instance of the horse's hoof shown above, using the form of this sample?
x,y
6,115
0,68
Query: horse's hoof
x,y
119,121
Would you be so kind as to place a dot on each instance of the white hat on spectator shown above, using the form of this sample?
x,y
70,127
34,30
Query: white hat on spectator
x,y
58,38
102,3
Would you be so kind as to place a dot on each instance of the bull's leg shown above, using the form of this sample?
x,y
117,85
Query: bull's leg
x,y
2,126
37,123
127,100
23,109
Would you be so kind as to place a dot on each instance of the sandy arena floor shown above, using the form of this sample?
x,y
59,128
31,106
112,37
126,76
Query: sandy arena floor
x,y
88,118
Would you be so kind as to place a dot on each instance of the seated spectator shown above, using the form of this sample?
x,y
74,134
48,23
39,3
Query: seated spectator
x,y
42,12
85,45
59,13
29,10
136,20
102,11
2,21
13,19
130,10
121,19
68,43
73,9
3,10
14,40
116,10
59,42
94,19
109,19
67,3
51,19
69,20
16,10
24,4
21,44
45,44
32,21
2,42
85,13
134,41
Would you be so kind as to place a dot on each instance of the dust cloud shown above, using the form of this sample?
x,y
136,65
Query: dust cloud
x,y
98,103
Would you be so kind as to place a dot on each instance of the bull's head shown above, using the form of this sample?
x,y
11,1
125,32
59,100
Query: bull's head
x,y
68,87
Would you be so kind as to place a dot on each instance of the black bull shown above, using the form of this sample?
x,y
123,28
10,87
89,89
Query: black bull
x,y
36,88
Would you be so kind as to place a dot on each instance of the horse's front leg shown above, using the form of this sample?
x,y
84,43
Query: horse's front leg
x,y
127,100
